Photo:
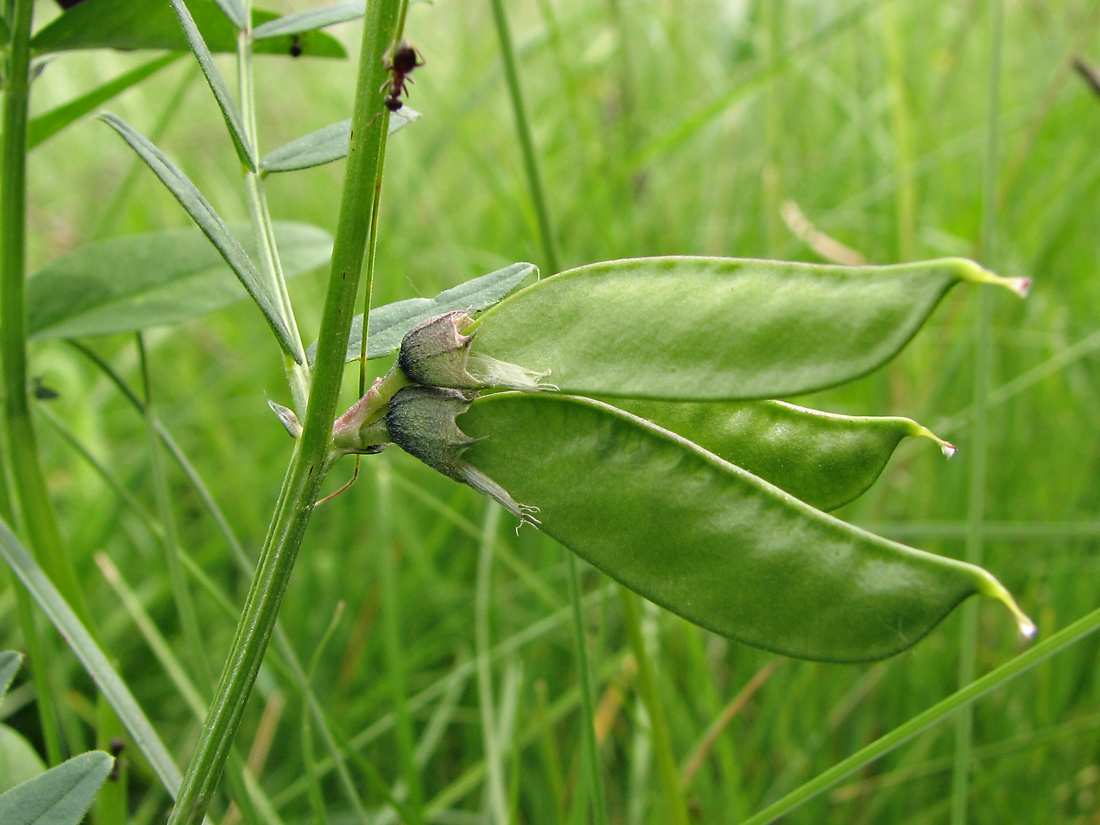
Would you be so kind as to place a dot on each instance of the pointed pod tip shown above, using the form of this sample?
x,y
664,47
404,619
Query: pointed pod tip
x,y
946,447
994,589
976,273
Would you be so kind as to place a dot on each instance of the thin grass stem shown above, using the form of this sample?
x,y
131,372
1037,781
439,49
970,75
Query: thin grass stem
x,y
526,141
395,650
929,718
667,772
497,806
978,449
593,776
30,500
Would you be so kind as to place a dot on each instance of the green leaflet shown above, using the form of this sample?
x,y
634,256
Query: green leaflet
x,y
708,540
717,328
151,24
311,19
826,460
156,278
60,796
389,322
49,123
263,292
325,145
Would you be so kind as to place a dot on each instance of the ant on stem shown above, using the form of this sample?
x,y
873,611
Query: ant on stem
x,y
401,63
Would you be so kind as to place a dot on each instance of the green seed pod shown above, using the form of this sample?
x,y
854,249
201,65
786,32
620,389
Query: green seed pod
x,y
421,421
710,541
436,353
827,460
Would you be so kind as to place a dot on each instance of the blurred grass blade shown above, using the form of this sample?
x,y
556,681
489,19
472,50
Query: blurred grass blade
x,y
151,24
133,282
95,662
60,796
311,19
5,30
245,150
325,145
996,678
692,328
215,229
826,460
50,123
389,323
708,540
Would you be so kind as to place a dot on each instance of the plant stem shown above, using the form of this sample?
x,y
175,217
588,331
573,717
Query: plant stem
x,y
496,806
396,652
29,498
306,472
181,595
979,447
588,700
526,142
262,229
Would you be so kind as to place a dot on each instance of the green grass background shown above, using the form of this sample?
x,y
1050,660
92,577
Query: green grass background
x,y
662,128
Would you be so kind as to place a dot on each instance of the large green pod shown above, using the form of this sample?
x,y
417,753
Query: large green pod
x,y
717,328
708,540
825,459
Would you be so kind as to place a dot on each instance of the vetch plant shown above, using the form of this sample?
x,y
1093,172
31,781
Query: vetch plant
x,y
630,409
656,492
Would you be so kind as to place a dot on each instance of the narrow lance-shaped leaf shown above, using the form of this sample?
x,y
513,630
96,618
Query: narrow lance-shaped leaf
x,y
389,323
60,796
708,540
245,150
215,229
717,328
327,144
151,24
92,658
134,282
826,460
234,11
50,123
311,19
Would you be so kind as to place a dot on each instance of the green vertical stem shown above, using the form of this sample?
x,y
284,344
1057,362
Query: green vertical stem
x,y
309,462
29,496
550,253
903,133
181,595
588,694
496,803
262,228
395,649
526,142
771,12
667,772
978,449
